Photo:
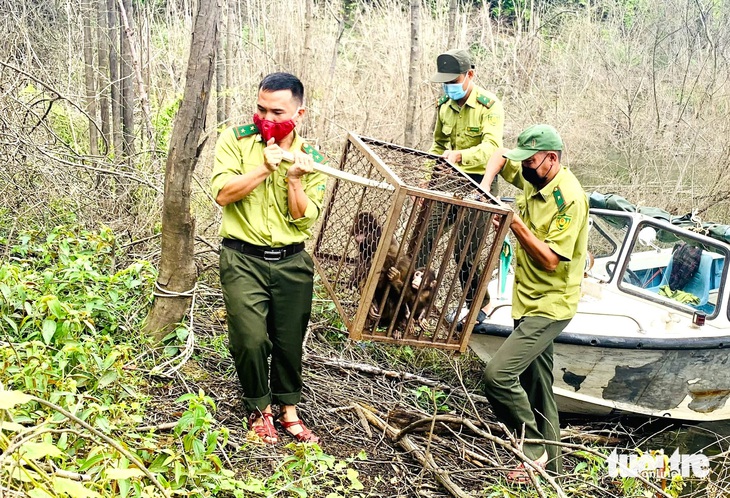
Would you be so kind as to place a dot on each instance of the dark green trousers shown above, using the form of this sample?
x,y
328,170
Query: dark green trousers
x,y
268,306
518,382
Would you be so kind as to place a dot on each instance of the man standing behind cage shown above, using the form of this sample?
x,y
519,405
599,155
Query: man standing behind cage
x,y
551,226
270,205
468,130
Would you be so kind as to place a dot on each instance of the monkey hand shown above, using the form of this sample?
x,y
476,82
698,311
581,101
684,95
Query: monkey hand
x,y
373,312
303,164
393,274
273,155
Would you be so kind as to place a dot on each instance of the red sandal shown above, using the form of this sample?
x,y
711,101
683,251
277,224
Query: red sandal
x,y
519,474
306,436
266,432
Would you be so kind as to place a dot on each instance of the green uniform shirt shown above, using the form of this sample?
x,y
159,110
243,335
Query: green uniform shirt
x,y
558,215
475,129
262,217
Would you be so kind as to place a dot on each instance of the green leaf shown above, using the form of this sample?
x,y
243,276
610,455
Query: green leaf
x,y
39,493
124,486
49,329
11,322
37,451
54,305
9,399
91,461
353,476
10,426
108,377
119,474
73,488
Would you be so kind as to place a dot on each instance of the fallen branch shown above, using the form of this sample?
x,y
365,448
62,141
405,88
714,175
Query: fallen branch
x,y
412,448
363,419
391,374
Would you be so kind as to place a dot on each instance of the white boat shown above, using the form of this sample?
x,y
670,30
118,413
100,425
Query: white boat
x,y
631,348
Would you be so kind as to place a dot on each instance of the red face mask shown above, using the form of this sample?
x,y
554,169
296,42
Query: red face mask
x,y
270,129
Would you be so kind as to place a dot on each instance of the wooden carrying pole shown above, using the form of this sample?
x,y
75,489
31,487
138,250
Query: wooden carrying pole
x,y
343,175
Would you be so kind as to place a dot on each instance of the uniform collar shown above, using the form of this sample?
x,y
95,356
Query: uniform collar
x,y
547,191
471,100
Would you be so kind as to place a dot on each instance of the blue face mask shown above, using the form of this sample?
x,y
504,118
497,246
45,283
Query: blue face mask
x,y
454,90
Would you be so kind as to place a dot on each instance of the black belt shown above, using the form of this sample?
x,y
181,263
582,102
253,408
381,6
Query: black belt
x,y
264,252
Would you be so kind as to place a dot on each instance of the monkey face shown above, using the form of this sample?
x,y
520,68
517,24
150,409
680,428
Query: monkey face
x,y
417,278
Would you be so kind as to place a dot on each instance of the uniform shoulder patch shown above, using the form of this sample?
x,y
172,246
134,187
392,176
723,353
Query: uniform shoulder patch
x,y
562,221
441,101
485,101
245,131
316,155
559,199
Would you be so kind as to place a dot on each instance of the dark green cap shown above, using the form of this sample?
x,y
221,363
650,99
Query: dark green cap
x,y
534,139
451,64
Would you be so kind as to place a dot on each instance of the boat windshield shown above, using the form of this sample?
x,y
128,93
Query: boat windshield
x,y
674,267
606,237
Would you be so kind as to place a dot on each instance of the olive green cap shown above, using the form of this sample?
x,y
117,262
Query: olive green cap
x,y
451,64
534,139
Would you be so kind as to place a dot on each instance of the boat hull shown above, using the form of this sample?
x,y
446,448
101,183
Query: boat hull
x,y
685,384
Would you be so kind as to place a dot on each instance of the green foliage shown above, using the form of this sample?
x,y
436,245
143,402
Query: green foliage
x,y
308,471
70,322
431,400
59,287
163,122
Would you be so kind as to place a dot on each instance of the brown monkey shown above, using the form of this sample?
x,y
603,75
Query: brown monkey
x,y
367,232
416,297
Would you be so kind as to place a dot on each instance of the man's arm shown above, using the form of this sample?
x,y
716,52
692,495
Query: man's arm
x,y
494,166
239,186
297,198
441,142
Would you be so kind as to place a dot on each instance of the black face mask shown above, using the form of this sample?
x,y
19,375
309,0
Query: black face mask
x,y
530,174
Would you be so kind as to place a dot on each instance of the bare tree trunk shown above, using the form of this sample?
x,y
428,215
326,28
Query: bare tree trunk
x,y
220,76
136,60
103,79
230,30
86,15
412,100
125,74
327,95
177,266
113,38
308,56
453,11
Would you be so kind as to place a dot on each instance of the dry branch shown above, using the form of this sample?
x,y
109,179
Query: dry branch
x,y
412,448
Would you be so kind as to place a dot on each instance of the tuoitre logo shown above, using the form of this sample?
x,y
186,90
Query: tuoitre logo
x,y
658,465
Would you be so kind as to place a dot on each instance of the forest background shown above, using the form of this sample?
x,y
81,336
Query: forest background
x,y
638,90
89,94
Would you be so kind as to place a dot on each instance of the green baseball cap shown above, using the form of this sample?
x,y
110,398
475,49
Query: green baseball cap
x,y
534,139
451,64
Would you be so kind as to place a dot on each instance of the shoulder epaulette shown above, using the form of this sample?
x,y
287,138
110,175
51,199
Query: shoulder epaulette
x,y
316,155
245,131
485,101
559,199
442,100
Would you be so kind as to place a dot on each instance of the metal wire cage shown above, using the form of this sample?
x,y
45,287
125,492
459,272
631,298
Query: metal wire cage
x,y
407,252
